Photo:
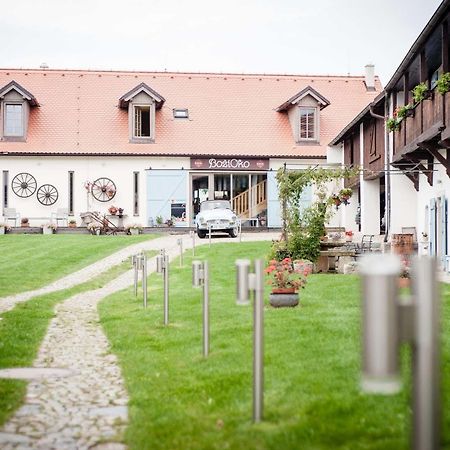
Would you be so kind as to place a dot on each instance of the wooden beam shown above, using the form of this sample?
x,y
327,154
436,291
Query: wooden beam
x,y
427,171
415,179
432,150
423,70
445,56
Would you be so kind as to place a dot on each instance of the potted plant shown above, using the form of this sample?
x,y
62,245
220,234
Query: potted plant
x,y
421,92
120,213
286,281
113,210
4,227
159,221
404,111
393,124
94,228
443,83
134,228
405,274
24,222
48,228
349,236
72,223
345,194
336,200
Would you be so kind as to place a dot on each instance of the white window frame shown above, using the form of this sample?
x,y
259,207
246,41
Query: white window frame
x,y
151,107
4,108
315,136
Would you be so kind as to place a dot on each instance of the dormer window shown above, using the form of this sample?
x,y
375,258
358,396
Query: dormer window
x,y
13,120
142,103
303,110
142,121
307,123
15,102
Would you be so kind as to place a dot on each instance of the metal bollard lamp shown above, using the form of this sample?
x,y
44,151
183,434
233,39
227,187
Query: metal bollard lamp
x,y
387,323
247,282
200,276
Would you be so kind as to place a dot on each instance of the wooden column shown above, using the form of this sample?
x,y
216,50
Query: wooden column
x,y
445,55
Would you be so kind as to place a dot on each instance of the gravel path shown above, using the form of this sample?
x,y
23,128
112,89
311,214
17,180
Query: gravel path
x,y
87,410
93,270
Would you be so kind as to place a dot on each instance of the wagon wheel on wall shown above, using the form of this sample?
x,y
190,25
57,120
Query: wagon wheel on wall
x,y
24,185
103,189
47,194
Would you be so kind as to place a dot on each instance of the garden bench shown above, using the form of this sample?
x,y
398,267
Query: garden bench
x,y
323,263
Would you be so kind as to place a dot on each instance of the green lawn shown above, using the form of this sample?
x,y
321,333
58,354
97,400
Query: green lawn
x,y
179,400
29,261
23,328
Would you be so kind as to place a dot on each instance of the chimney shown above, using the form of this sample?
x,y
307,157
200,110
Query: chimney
x,y
370,77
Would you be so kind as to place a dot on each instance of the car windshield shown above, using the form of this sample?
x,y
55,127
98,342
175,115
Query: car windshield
x,y
216,204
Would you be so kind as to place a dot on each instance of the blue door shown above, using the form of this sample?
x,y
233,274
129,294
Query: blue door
x,y
432,247
273,202
164,189
443,230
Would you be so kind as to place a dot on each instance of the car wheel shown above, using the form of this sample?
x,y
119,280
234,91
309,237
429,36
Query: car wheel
x,y
233,232
201,233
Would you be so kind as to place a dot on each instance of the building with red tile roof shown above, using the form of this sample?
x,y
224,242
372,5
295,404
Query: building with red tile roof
x,y
131,122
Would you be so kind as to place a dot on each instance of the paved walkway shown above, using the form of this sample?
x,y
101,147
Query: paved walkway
x,y
95,269
88,409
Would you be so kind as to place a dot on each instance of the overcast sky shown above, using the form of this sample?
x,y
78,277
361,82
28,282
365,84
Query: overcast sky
x,y
250,36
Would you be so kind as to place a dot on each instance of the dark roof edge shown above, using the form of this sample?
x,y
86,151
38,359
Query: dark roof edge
x,y
411,54
15,85
357,119
148,155
288,103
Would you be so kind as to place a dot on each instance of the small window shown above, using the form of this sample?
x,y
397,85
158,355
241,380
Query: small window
x,y
181,113
13,120
142,122
307,123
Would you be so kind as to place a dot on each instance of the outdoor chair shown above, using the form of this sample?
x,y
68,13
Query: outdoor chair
x,y
11,214
60,214
365,245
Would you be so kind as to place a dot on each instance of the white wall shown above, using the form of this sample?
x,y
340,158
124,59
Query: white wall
x,y
370,206
403,203
54,171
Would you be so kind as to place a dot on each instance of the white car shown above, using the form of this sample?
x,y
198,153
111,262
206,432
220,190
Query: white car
x,y
217,215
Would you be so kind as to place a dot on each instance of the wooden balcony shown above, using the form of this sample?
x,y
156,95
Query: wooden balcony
x,y
425,124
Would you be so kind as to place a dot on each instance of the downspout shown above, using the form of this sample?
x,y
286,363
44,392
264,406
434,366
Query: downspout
x,y
387,172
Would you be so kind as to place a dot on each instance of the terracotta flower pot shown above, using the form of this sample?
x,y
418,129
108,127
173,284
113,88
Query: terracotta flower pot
x,y
404,282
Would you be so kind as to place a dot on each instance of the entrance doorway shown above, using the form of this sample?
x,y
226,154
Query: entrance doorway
x,y
247,192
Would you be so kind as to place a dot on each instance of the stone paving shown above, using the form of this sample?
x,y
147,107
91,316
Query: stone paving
x,y
87,410
95,269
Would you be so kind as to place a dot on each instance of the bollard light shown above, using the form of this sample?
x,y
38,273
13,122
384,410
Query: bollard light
x,y
200,276
381,334
192,233
180,244
247,281
159,263
388,322
197,267
242,281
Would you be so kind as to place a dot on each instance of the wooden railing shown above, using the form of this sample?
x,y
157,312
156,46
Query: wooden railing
x,y
252,201
427,118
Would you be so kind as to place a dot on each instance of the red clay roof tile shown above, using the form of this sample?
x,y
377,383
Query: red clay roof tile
x,y
229,114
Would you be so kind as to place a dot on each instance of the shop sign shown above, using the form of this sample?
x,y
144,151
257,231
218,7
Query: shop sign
x,y
229,164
